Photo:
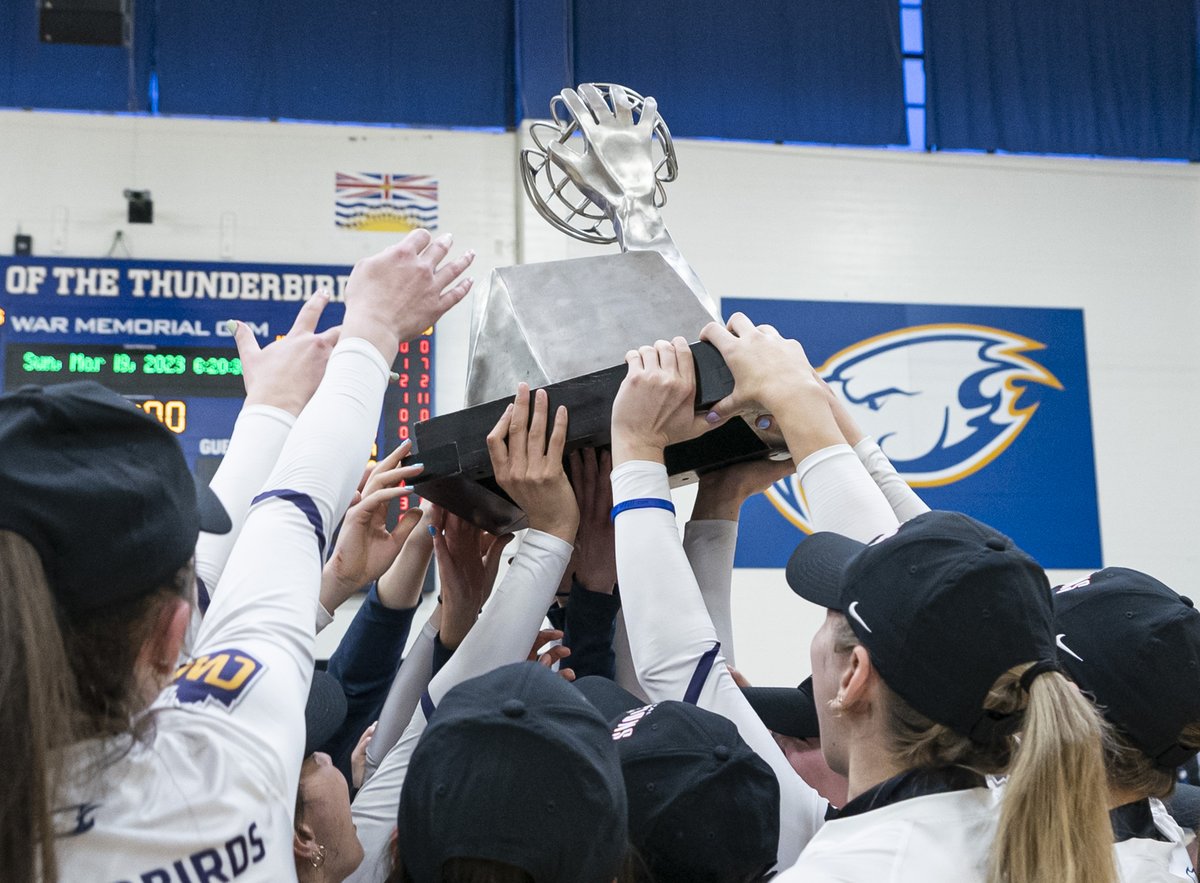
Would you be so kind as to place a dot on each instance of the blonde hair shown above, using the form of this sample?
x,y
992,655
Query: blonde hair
x,y
1054,825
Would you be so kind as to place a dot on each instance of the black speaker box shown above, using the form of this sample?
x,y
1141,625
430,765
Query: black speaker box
x,y
86,22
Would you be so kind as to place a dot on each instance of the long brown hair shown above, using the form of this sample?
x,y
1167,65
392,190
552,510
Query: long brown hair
x,y
61,680
1054,822
1130,771
37,692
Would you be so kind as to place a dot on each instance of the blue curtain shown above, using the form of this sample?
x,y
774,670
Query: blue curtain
x,y
439,64
43,75
1102,77
826,71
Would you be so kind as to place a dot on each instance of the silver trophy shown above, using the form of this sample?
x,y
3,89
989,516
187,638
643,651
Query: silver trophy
x,y
597,174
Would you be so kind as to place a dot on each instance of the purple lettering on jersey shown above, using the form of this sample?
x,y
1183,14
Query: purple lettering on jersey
x,y
223,676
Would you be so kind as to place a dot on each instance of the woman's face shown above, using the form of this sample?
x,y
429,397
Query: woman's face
x,y
326,799
827,669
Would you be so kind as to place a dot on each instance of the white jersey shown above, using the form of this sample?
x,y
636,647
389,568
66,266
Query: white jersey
x,y
209,796
1149,860
935,838
675,640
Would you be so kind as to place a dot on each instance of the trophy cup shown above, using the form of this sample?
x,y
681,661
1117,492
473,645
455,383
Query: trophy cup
x,y
566,325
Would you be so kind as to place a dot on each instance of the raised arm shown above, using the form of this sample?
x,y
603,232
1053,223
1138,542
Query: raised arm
x,y
527,460
772,375
262,619
675,647
279,379
710,538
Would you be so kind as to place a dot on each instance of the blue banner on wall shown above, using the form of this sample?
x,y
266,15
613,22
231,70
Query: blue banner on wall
x,y
983,410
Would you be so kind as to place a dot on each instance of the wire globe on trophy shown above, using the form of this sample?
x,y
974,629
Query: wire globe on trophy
x,y
560,200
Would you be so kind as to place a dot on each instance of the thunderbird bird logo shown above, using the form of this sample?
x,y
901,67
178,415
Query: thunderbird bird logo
x,y
942,401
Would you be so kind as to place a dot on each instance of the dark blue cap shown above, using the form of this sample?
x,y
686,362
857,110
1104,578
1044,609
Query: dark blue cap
x,y
516,767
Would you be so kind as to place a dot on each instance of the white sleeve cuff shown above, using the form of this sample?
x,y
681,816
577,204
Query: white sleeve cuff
x,y
634,479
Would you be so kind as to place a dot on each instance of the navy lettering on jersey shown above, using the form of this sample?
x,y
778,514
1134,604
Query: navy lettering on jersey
x,y
208,866
239,855
257,843
84,819
222,865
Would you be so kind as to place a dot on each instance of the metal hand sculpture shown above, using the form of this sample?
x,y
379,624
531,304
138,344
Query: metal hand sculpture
x,y
616,178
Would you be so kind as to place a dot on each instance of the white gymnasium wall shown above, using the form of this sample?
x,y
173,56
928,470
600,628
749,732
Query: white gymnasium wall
x,y
1116,239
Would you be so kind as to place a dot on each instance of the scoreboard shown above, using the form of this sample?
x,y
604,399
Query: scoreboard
x,y
157,332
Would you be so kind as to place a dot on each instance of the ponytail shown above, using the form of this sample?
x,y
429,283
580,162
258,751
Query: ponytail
x,y
1054,823
38,696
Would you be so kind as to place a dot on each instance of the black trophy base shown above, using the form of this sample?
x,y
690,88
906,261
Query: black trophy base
x,y
458,471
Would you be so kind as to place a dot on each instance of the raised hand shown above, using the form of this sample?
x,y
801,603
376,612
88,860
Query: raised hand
x,y
366,548
529,466
286,373
358,757
655,405
400,586
617,163
594,563
396,294
769,370
722,491
467,560
549,655
772,374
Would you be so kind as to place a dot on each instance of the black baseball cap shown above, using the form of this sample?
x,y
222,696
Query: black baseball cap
x,y
1134,644
944,604
102,492
789,711
703,806
324,712
516,766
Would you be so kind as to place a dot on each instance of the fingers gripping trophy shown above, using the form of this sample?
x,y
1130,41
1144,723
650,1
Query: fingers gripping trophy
x,y
597,173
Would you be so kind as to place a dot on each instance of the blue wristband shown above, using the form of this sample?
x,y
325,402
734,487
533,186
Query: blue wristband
x,y
643,503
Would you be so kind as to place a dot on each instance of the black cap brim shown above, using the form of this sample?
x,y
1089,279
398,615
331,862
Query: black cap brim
x,y
324,712
789,711
817,567
213,517
610,700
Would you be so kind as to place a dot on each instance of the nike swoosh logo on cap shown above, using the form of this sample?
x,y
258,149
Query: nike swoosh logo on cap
x,y
854,613
1058,639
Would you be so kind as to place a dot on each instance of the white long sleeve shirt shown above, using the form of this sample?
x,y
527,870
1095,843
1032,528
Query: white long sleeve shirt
x,y
210,795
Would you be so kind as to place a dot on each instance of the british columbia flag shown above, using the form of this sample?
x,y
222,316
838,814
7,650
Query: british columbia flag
x,y
377,201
